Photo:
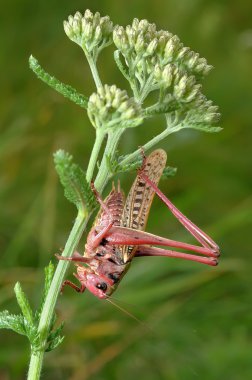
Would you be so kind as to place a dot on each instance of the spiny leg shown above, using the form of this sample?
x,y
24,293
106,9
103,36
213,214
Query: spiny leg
x,y
195,231
128,236
154,251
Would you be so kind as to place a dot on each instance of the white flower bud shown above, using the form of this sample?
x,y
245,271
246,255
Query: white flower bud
x,y
76,27
88,14
78,16
68,29
139,47
152,47
98,33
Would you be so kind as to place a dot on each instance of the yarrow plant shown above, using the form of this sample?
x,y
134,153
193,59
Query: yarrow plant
x,y
152,61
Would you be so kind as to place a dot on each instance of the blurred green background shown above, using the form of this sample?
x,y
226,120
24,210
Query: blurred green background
x,y
196,320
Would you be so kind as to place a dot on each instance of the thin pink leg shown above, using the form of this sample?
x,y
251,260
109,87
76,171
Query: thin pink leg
x,y
75,257
128,236
199,235
102,234
154,251
79,289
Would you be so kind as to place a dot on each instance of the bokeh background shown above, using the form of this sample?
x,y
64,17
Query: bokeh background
x,y
196,321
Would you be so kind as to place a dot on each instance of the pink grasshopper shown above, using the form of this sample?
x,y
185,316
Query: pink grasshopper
x,y
118,235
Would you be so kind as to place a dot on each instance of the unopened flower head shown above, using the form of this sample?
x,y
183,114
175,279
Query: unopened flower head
x,y
145,48
110,107
136,39
90,31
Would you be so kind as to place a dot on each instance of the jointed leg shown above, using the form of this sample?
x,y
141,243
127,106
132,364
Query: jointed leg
x,y
79,289
77,257
97,239
129,236
154,251
199,235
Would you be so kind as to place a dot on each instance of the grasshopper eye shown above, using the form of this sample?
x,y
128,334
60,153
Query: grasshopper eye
x,y
102,286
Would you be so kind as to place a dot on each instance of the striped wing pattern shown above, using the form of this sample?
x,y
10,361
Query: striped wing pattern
x,y
139,200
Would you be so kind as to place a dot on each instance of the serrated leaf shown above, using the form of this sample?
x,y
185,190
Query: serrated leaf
x,y
24,304
121,65
49,272
73,179
13,322
55,333
169,171
204,127
54,343
64,89
115,167
54,338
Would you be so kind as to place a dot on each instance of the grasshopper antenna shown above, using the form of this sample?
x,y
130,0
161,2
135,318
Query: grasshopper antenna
x,y
129,314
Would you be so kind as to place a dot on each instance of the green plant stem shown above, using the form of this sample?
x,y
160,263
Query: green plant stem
x,y
35,366
146,89
103,173
94,70
133,156
94,155
50,302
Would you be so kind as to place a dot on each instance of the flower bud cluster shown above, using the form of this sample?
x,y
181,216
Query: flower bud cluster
x,y
183,87
204,112
209,112
143,47
90,31
140,38
111,106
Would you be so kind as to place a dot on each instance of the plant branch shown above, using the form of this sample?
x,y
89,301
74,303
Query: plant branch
x,y
94,155
150,144
94,70
110,150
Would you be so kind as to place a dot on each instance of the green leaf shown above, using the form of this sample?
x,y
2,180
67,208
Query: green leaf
x,y
54,343
24,304
169,171
115,167
49,272
204,127
64,89
73,179
13,322
55,339
121,65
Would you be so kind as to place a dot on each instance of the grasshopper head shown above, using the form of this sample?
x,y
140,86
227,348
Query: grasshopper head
x,y
98,286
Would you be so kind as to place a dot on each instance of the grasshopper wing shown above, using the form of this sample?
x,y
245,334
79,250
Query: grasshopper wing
x,y
139,200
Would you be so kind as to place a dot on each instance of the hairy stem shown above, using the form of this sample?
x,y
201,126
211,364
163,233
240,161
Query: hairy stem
x,y
133,156
94,70
35,366
50,302
94,155
103,173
